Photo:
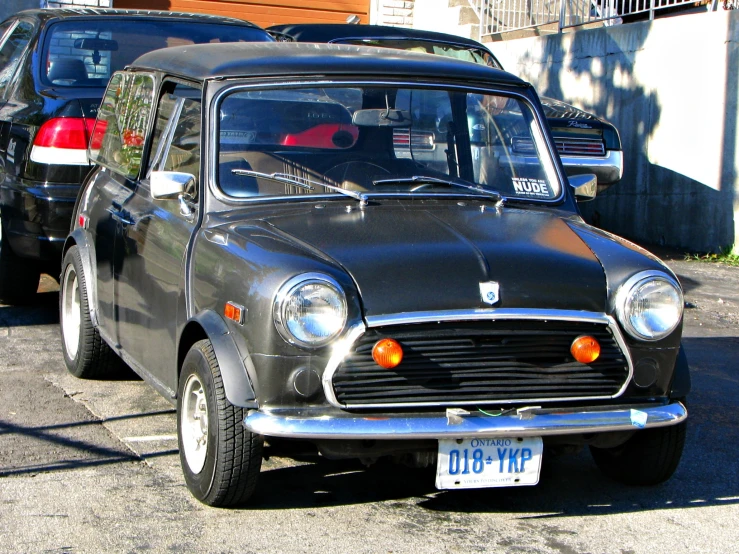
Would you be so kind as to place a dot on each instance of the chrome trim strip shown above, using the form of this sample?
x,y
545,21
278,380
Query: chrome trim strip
x,y
493,314
340,351
521,424
484,314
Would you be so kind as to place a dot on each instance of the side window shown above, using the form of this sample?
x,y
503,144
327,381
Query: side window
x,y
176,143
11,52
120,130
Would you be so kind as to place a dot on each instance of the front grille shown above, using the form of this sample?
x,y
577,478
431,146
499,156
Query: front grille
x,y
565,146
481,363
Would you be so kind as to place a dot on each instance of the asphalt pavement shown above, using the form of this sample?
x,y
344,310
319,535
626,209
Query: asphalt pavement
x,y
92,466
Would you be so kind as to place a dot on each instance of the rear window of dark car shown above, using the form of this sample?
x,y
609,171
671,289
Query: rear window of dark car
x,y
86,52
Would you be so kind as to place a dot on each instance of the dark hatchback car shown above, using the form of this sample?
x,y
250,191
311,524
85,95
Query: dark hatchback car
x,y
585,142
54,67
265,259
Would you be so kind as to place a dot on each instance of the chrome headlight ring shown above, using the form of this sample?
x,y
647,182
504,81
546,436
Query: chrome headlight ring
x,y
649,305
310,310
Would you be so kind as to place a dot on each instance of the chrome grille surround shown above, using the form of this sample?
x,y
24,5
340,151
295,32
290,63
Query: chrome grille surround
x,y
344,348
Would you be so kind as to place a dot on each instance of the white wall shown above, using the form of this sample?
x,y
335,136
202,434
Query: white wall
x,y
670,86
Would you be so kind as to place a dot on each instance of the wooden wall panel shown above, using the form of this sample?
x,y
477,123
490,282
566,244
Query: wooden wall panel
x,y
264,12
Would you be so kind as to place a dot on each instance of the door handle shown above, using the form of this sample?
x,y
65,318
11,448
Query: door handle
x,y
121,216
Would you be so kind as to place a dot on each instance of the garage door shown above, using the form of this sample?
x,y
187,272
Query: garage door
x,y
264,12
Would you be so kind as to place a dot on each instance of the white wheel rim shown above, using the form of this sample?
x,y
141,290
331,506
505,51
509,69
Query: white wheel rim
x,y
194,424
71,312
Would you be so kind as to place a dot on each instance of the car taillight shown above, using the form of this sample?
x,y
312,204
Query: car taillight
x,y
62,141
65,132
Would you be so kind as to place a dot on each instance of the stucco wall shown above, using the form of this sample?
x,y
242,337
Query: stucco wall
x,y
670,86
398,13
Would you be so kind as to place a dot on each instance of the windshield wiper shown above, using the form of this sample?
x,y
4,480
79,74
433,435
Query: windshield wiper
x,y
302,182
451,182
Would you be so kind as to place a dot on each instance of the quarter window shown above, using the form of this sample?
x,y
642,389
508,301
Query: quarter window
x,y
176,143
11,52
120,130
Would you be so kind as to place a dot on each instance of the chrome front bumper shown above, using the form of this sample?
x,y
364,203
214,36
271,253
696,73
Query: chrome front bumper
x,y
522,422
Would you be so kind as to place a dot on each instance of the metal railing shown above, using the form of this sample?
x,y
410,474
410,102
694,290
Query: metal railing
x,y
502,16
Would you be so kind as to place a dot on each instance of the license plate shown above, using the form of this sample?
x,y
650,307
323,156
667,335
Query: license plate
x,y
492,462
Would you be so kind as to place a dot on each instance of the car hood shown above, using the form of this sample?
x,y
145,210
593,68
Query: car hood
x,y
408,258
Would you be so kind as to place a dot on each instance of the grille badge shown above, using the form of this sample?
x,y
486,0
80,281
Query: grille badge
x,y
490,292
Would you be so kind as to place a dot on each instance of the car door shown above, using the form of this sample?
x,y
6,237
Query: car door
x,y
151,283
117,147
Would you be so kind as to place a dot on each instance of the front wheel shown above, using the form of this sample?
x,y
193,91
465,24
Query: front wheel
x,y
648,458
220,459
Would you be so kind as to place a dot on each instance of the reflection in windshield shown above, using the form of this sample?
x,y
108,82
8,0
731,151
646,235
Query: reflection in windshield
x,y
381,140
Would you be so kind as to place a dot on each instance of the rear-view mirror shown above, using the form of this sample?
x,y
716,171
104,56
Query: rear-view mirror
x,y
382,117
96,44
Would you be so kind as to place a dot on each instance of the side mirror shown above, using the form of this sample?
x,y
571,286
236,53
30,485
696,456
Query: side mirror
x,y
169,185
585,186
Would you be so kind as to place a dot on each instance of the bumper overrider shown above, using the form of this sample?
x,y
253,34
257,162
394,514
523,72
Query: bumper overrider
x,y
457,423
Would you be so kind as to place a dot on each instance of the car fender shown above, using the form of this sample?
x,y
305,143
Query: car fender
x,y
86,248
681,383
235,366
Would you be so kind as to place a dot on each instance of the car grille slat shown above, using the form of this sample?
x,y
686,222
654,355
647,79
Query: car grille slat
x,y
566,146
491,362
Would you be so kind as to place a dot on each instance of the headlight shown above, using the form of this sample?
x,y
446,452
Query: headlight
x,y
649,305
310,310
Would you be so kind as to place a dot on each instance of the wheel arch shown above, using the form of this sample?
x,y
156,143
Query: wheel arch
x,y
235,368
79,238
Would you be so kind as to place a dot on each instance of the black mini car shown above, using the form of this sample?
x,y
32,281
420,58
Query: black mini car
x,y
54,67
585,142
256,245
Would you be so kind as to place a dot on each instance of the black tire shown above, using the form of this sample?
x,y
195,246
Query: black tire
x,y
648,458
19,278
225,472
86,354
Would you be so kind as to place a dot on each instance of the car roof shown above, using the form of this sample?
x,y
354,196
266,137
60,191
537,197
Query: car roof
x,y
72,13
326,32
210,61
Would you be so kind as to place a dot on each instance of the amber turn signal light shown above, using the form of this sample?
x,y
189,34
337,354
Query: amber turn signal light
x,y
234,312
387,353
585,349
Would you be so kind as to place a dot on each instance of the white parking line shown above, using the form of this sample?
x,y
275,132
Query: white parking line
x,y
151,438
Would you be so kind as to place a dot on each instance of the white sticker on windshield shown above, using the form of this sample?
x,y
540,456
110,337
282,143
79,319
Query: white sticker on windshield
x,y
531,187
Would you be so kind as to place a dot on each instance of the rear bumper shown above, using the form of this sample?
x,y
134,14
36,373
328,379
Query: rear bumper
x,y
608,169
36,219
520,423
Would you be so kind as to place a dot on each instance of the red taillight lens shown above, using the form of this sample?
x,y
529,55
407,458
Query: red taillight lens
x,y
65,132
98,133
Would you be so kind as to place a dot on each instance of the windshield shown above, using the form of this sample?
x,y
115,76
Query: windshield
x,y
86,52
381,139
456,51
